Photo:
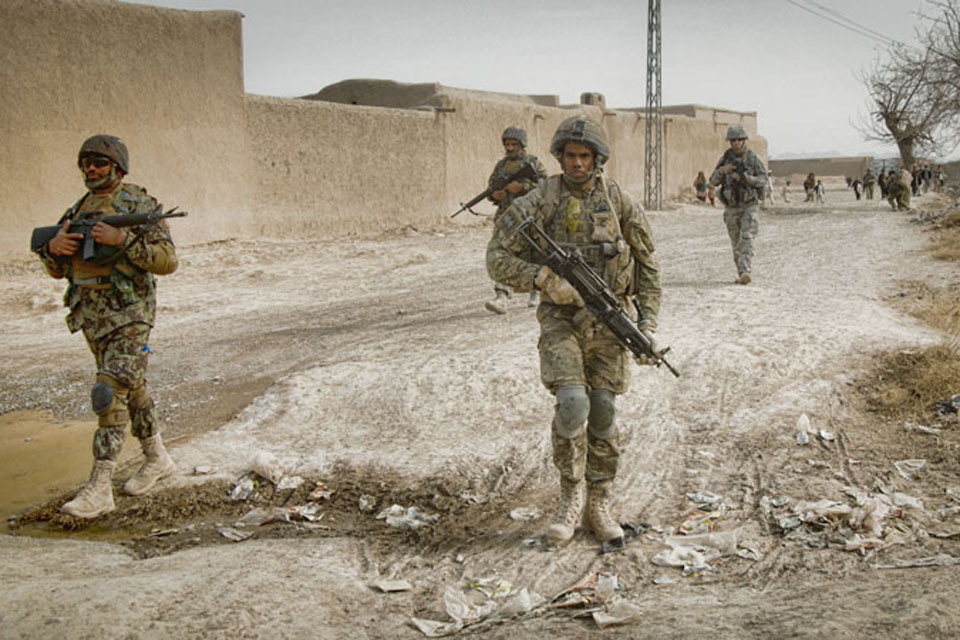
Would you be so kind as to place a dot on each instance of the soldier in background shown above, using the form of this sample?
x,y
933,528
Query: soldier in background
x,y
741,177
868,181
882,183
514,145
582,362
112,299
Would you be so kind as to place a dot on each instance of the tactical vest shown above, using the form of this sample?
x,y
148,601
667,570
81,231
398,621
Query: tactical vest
x,y
592,226
108,269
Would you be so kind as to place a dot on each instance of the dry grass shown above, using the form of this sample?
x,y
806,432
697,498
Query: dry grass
x,y
905,385
946,244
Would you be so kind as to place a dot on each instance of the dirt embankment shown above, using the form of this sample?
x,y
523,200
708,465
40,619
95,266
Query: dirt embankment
x,y
371,367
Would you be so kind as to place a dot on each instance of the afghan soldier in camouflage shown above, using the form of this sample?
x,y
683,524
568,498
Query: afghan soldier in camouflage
x,y
898,189
514,145
581,361
112,299
739,192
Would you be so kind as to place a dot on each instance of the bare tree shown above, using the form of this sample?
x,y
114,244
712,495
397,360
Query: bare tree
x,y
910,106
942,40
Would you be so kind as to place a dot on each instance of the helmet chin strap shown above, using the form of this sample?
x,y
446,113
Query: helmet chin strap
x,y
107,179
581,182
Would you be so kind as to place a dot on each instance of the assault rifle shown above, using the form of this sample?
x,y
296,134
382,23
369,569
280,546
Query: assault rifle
x,y
598,297
43,235
526,172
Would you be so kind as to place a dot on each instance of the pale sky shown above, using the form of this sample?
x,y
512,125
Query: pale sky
x,y
795,69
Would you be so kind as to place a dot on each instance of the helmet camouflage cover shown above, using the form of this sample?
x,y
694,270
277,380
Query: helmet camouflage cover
x,y
736,132
585,131
110,147
515,133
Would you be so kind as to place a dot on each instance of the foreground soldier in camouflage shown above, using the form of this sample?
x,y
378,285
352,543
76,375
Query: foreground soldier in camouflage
x,y
514,145
740,176
898,189
113,300
581,362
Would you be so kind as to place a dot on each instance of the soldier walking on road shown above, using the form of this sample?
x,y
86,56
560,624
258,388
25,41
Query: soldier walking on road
x,y
899,189
514,145
581,361
740,176
112,299
868,181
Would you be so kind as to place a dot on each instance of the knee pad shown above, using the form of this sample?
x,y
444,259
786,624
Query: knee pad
x,y
571,410
109,400
603,412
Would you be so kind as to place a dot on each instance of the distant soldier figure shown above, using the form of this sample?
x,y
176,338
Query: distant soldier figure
x,y
514,145
741,178
868,181
809,186
112,299
899,189
882,183
582,362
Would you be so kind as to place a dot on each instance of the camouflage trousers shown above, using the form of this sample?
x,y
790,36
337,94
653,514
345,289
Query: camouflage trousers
x,y
122,364
742,226
586,455
577,349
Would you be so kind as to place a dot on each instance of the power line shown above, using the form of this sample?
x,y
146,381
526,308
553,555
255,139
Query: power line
x,y
846,23
844,18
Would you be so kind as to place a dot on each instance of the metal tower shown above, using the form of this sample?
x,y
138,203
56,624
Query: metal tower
x,y
653,164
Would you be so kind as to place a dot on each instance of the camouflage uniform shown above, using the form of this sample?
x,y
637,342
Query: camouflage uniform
x,y
577,351
112,299
740,199
868,181
505,168
114,304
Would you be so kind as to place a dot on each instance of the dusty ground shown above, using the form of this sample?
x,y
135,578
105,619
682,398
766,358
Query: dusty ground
x,y
372,367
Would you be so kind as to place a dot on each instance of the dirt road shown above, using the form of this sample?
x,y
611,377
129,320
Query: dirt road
x,y
372,367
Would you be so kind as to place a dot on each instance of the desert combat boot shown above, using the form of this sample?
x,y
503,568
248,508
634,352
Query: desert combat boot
x,y
568,513
157,466
604,527
498,304
96,497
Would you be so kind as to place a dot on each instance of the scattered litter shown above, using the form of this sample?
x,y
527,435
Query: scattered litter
x,y
243,489
161,533
948,512
818,464
233,534
723,541
704,499
826,436
789,523
944,534
267,465
780,502
910,469
932,431
950,405
309,512
803,429
691,560
530,542
409,518
204,470
367,503
257,517
630,531
619,612
28,439
392,586
289,482
700,522
525,513
481,599
939,560
321,492
903,500
459,559
662,580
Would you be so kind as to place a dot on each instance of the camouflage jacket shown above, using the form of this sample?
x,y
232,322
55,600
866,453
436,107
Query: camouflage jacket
x,y
506,167
736,193
605,224
128,292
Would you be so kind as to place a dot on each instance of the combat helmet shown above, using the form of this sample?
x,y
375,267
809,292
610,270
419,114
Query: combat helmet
x,y
585,131
736,132
515,133
110,147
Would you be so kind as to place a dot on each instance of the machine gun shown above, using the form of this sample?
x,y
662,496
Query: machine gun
x,y
43,235
598,297
526,172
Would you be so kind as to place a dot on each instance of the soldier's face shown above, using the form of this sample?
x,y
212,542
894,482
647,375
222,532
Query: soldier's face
x,y
739,146
512,148
577,160
97,172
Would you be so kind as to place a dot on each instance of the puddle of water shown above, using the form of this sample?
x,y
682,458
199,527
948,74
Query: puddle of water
x,y
41,457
